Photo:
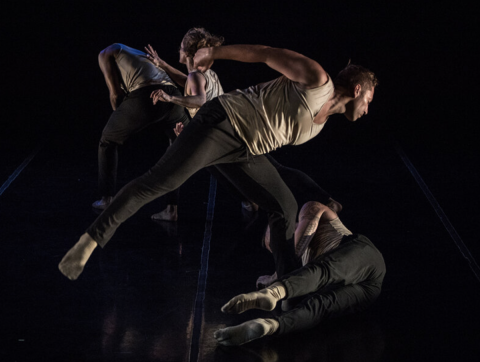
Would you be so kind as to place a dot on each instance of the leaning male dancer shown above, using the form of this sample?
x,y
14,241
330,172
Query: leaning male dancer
x,y
233,132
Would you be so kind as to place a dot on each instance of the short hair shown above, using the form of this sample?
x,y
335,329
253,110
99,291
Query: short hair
x,y
353,74
197,38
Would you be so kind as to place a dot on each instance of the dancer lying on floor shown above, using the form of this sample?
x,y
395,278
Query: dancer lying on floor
x,y
233,132
342,274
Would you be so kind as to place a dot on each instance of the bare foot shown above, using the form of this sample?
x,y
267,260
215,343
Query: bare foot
x,y
74,261
246,332
103,203
265,299
169,214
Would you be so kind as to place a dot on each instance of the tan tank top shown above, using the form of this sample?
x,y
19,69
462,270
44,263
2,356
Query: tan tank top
x,y
277,113
327,237
137,71
213,88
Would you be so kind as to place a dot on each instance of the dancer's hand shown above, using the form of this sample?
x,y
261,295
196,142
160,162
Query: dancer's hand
x,y
178,128
203,59
153,57
160,95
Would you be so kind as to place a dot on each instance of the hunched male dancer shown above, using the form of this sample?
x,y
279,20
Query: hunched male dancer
x,y
131,78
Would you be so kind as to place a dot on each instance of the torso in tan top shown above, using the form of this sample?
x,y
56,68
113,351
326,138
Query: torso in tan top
x,y
277,113
327,237
137,71
213,88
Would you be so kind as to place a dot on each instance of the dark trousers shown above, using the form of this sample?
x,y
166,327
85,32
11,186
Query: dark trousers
x,y
346,280
303,187
209,139
136,112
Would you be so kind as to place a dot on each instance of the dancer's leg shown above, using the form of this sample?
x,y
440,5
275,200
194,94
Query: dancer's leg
x,y
208,139
258,180
304,187
197,146
355,262
351,263
136,112
318,307
170,212
246,332
330,303
265,299
74,261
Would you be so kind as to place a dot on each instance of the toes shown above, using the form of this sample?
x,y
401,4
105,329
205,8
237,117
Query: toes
x,y
233,305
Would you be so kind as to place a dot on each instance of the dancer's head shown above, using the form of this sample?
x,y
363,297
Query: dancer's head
x,y
197,38
359,84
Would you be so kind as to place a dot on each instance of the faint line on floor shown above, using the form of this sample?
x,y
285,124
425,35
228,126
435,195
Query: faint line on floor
x,y
202,276
19,169
441,214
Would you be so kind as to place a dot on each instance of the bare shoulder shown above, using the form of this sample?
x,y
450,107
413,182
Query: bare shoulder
x,y
196,77
311,210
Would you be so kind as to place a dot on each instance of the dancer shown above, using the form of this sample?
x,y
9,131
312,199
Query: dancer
x,y
131,78
233,131
199,88
342,273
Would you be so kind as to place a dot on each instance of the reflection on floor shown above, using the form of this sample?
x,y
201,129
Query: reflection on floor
x,y
138,299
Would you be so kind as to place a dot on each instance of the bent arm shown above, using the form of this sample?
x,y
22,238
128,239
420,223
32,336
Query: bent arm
x,y
197,95
176,75
108,66
308,220
293,65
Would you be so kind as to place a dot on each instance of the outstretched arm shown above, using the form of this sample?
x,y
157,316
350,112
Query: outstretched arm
x,y
294,66
308,220
177,76
196,90
106,60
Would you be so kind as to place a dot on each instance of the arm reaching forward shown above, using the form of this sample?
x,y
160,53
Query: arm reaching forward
x,y
294,66
197,95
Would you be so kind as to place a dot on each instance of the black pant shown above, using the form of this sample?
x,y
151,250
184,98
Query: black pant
x,y
209,139
304,189
345,280
134,114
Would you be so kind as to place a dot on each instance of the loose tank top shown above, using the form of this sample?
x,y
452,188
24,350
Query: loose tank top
x,y
213,88
277,113
137,71
328,237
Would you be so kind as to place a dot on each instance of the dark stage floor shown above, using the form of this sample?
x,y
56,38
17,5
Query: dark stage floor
x,y
155,292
